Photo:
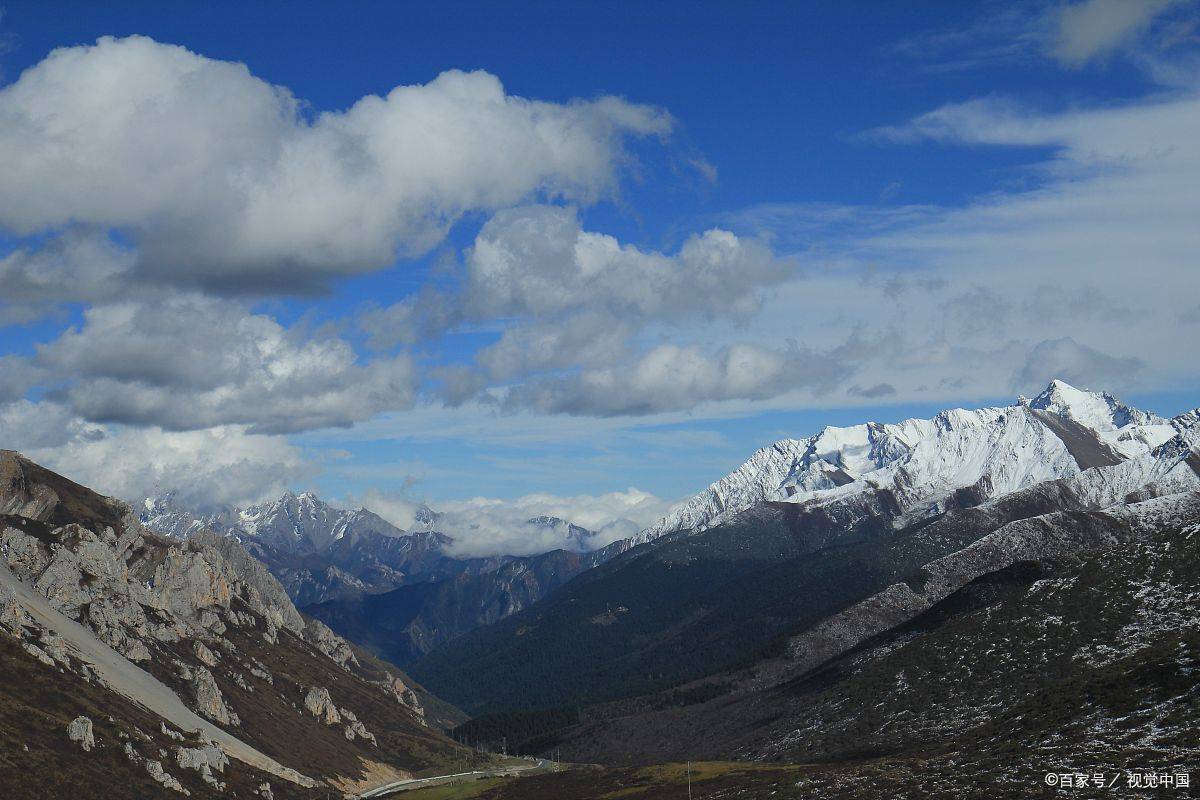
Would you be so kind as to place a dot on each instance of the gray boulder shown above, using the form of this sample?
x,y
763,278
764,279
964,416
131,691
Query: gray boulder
x,y
80,730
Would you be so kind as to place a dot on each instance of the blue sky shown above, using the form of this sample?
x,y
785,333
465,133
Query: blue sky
x,y
267,281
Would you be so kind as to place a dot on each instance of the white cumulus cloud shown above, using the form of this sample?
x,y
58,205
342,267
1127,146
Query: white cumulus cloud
x,y
224,180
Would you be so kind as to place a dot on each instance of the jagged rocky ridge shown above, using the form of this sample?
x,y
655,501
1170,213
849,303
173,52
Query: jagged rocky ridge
x,y
137,623
320,552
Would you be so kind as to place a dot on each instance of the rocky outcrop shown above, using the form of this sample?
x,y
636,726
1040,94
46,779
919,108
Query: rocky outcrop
x,y
155,769
318,703
127,583
80,730
135,589
204,759
157,772
84,583
35,638
205,656
404,695
320,636
354,728
209,701
255,583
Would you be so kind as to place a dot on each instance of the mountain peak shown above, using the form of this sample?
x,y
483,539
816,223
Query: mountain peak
x,y
1099,411
425,516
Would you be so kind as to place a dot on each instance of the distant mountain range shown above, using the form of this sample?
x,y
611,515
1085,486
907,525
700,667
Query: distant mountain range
x,y
402,592
321,551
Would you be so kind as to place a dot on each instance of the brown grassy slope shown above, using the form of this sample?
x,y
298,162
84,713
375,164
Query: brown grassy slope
x,y
38,761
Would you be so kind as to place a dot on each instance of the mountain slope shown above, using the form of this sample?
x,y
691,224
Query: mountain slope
x,y
150,628
1081,666
1088,659
405,623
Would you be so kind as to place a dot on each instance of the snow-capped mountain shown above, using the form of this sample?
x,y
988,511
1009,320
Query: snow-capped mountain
x,y
319,551
922,462
294,523
304,524
574,537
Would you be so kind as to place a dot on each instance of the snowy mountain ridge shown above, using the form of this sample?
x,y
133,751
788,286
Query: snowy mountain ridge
x,y
1061,433
304,523
300,523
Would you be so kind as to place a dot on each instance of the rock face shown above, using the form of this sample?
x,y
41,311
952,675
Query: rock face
x,y
134,588
320,636
354,728
157,772
155,769
205,656
80,730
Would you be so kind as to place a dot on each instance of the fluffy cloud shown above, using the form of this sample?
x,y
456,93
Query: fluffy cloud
x,y
673,377
538,261
223,465
570,299
485,526
226,181
191,363
77,266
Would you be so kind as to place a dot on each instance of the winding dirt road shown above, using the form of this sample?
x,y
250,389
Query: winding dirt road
x,y
421,783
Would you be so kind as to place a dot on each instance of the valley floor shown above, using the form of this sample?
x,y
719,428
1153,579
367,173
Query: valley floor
x,y
950,775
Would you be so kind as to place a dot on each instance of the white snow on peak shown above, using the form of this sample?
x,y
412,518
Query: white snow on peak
x,y
1130,431
299,523
923,461
1099,411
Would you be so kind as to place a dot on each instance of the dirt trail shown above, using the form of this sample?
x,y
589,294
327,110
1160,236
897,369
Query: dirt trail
x,y
124,677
